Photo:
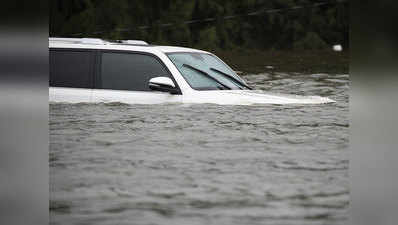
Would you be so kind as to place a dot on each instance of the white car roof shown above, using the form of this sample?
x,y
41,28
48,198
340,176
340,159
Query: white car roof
x,y
127,45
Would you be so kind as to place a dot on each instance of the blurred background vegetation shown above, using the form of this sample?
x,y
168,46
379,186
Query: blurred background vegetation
x,y
261,28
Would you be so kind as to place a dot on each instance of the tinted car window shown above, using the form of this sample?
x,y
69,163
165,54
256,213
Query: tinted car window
x,y
126,71
71,68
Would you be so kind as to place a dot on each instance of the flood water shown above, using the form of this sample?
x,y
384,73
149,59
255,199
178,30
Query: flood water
x,y
204,164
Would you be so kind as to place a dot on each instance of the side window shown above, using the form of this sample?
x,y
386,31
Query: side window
x,y
70,68
126,71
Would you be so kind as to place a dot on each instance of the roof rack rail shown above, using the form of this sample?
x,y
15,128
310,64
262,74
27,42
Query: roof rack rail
x,y
132,42
93,41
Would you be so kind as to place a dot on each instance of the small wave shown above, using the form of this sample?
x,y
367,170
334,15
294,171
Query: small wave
x,y
274,197
60,206
321,169
113,104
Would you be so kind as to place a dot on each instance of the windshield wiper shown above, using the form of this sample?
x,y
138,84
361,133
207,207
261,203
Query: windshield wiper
x,y
207,75
232,78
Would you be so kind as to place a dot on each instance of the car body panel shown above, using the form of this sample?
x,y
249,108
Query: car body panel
x,y
134,97
69,95
249,97
222,97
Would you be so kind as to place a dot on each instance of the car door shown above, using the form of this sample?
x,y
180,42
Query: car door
x,y
71,75
124,77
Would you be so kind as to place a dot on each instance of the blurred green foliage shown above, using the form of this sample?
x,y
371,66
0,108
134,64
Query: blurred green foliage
x,y
311,28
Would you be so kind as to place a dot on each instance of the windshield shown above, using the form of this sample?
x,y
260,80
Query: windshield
x,y
206,72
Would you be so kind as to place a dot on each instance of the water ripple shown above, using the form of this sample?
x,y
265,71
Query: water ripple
x,y
115,163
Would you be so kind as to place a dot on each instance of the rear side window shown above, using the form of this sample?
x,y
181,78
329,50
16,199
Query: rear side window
x,y
70,68
127,71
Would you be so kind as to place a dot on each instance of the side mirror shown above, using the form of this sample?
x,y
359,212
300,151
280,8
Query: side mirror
x,y
164,84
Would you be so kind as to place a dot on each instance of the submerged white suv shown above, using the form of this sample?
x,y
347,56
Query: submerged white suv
x,y
133,72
